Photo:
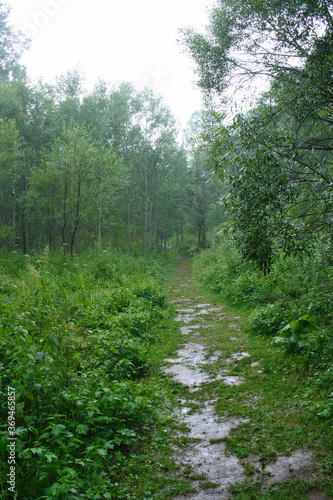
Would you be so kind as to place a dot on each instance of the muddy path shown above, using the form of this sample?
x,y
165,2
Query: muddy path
x,y
211,359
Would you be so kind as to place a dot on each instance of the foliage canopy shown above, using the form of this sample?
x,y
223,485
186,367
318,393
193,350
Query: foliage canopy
x,y
276,157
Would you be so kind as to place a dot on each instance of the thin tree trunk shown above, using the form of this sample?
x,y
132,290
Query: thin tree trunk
x,y
146,210
25,228
13,223
100,223
128,222
64,212
77,216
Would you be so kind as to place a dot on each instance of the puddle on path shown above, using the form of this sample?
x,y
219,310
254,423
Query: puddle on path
x,y
191,377
187,319
187,330
205,457
194,354
230,379
208,456
187,315
237,356
233,326
202,312
185,367
189,310
286,467
180,301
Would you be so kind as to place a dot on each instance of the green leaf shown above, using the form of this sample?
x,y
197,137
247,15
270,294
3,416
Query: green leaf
x,y
326,413
28,395
58,429
49,456
82,429
37,451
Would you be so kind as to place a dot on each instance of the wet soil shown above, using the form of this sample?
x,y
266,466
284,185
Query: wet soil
x,y
207,454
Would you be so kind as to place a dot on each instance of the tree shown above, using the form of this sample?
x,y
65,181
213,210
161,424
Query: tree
x,y
11,47
202,190
68,93
9,178
248,38
74,184
76,189
277,158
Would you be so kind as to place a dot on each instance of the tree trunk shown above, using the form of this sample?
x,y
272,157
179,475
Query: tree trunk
x,y
128,222
145,239
64,214
77,216
100,223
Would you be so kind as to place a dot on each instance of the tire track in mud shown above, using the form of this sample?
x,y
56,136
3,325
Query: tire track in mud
x,y
207,454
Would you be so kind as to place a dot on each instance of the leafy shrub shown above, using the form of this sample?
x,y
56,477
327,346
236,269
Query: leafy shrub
x,y
121,358
104,270
149,292
268,319
303,336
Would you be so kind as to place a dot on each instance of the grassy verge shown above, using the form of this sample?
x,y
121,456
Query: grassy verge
x,y
286,396
80,344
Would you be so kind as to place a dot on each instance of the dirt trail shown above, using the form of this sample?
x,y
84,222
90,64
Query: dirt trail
x,y
193,367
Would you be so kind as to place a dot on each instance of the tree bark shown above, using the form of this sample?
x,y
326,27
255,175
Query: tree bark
x,y
77,216
145,239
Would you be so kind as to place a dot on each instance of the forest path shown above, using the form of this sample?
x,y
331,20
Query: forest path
x,y
211,367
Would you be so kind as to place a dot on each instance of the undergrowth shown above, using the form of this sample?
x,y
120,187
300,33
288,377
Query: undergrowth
x,y
75,340
292,305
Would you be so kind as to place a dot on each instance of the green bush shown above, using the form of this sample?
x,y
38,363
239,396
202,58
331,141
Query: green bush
x,y
268,319
274,303
149,292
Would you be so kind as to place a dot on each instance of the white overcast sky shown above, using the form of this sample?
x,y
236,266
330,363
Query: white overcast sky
x,y
116,40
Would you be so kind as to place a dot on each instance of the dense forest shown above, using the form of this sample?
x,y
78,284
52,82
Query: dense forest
x,y
80,168
99,192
